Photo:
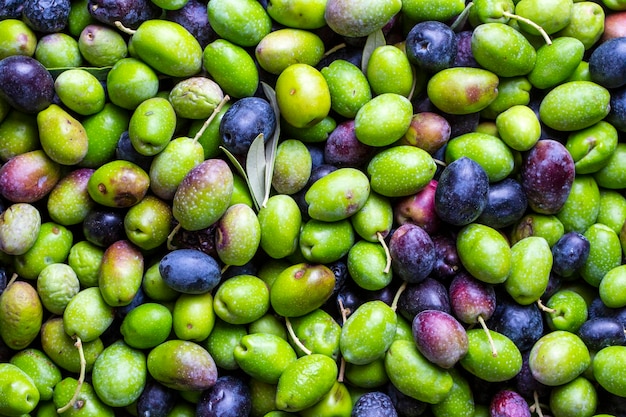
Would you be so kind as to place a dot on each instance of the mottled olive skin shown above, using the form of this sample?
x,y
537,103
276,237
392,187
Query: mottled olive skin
x,y
242,22
480,361
477,246
56,285
582,206
368,333
264,356
493,155
242,299
62,136
19,132
168,48
338,195
503,50
283,47
400,171
19,228
591,148
152,126
574,105
69,201
28,177
20,394
120,274
349,88
301,288
552,15
130,82
21,315
104,130
558,358
203,195
403,360
280,220
80,91
101,45
87,315
462,90
17,38
606,363
52,245
118,183
389,71
93,405
195,97
303,96
361,17
182,365
59,346
326,242
238,235
232,67
318,331
531,263
556,62
119,374
40,368
301,14
604,253
292,166
383,120
305,381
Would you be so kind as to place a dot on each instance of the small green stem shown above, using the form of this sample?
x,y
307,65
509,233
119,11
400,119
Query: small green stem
x,y
81,377
381,239
529,22
396,298
208,121
295,338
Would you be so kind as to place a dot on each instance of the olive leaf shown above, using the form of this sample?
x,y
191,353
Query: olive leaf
x,y
99,72
256,166
374,40
270,150
241,171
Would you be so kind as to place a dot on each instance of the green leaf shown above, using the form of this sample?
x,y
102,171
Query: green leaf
x,y
241,171
255,167
99,72
270,150
374,40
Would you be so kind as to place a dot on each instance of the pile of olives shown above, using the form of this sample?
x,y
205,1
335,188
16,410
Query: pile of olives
x,y
324,208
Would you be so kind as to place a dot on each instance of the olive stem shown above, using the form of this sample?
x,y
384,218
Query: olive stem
x,y
81,377
462,17
529,22
170,237
335,49
208,121
396,298
545,308
381,239
413,84
342,369
12,280
536,407
344,311
494,351
295,338
344,316
124,29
